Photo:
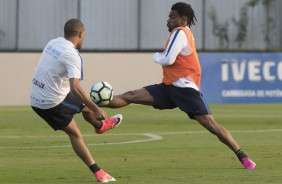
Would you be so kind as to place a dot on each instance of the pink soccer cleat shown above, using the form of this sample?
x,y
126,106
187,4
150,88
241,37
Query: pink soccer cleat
x,y
109,123
103,177
248,163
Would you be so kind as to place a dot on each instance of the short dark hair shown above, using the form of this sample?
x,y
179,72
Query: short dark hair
x,y
184,9
72,27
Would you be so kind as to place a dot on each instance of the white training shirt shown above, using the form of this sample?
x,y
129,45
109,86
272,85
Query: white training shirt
x,y
59,62
178,44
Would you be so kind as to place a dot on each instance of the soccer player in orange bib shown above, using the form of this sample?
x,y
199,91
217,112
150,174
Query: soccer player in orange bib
x,y
180,86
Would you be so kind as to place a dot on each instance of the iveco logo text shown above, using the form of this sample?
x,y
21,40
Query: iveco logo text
x,y
254,70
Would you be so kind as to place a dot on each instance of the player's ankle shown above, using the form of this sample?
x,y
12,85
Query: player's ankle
x,y
240,154
94,168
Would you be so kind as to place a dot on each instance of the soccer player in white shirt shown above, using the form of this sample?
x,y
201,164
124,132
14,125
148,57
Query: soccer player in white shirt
x,y
56,94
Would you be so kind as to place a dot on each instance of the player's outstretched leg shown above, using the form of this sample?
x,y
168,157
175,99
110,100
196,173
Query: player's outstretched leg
x,y
109,123
225,137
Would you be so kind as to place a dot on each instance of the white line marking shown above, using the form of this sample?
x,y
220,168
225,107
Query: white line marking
x,y
232,131
131,134
150,137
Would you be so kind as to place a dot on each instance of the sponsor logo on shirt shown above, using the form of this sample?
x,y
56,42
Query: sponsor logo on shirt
x,y
53,52
37,100
37,83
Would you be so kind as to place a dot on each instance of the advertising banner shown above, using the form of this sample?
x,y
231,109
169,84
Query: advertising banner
x,y
241,77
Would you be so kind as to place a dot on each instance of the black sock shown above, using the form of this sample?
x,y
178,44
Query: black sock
x,y
240,154
94,168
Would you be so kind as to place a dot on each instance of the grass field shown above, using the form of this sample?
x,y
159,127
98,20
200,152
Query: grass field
x,y
150,146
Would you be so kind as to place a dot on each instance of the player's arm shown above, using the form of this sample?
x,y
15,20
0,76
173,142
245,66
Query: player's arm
x,y
78,91
176,44
73,64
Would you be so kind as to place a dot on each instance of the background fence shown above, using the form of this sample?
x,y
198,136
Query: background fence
x,y
140,25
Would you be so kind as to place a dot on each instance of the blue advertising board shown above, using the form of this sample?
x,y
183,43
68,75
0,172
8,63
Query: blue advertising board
x,y
241,77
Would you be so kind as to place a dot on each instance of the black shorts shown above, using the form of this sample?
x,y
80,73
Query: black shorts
x,y
61,115
188,100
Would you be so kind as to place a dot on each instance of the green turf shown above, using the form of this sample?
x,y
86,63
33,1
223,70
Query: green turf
x,y
31,152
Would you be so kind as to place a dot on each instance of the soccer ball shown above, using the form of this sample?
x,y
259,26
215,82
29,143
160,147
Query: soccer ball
x,y
101,93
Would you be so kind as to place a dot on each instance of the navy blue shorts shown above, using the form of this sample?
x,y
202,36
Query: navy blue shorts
x,y
61,115
188,100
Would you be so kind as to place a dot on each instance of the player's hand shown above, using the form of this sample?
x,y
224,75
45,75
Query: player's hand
x,y
100,114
